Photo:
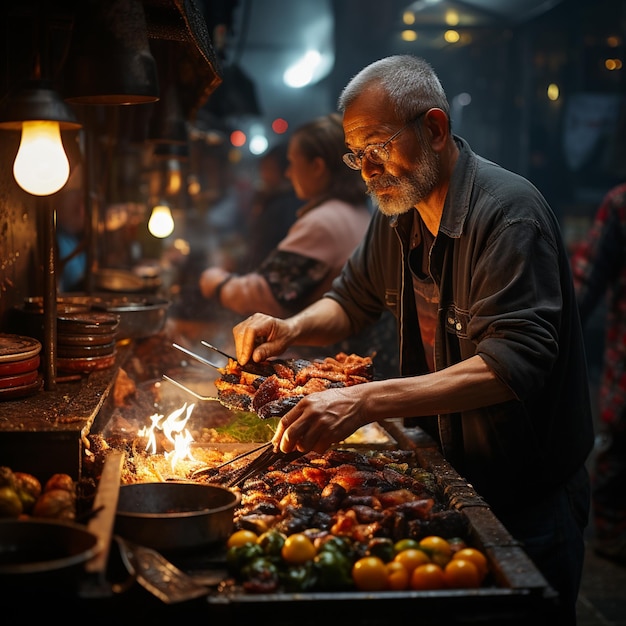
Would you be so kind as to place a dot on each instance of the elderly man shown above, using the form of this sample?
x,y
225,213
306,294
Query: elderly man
x,y
470,260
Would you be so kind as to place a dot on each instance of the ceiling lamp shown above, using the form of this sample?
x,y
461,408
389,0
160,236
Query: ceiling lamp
x,y
161,222
109,60
41,166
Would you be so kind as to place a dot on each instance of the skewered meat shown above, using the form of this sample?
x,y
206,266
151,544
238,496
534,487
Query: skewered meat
x,y
272,388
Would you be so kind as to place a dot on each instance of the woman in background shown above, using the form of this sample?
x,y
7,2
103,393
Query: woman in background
x,y
328,228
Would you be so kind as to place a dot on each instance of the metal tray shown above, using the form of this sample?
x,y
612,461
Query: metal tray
x,y
521,594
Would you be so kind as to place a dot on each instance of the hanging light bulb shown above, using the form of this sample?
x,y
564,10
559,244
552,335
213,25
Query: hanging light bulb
x,y
41,166
161,222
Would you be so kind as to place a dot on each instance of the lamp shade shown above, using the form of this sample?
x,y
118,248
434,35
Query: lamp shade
x,y
36,101
109,59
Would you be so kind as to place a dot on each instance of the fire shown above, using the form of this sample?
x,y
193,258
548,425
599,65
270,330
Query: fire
x,y
174,429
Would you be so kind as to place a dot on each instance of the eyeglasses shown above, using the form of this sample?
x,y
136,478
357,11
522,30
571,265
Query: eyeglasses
x,y
376,153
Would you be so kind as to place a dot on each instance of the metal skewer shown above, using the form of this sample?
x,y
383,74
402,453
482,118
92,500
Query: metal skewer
x,y
199,358
191,391
212,347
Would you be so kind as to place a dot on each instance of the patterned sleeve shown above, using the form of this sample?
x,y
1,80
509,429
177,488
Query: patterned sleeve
x,y
292,277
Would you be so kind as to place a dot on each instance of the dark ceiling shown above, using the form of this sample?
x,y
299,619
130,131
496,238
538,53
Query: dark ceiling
x,y
268,35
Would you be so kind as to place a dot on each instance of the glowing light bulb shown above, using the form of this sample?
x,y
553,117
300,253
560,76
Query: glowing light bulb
x,y
161,222
41,166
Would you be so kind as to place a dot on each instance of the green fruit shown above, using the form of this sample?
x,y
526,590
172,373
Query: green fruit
x,y
10,503
382,547
333,570
298,577
405,544
238,557
272,542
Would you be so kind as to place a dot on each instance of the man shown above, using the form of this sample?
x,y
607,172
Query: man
x,y
469,258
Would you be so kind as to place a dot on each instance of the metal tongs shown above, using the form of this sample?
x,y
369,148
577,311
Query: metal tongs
x,y
264,461
208,471
257,369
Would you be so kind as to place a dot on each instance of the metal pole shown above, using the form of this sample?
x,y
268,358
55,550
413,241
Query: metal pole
x,y
49,296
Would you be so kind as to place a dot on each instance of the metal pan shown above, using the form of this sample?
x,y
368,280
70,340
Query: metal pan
x,y
175,515
47,551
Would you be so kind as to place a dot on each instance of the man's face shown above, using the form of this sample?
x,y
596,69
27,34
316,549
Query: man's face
x,y
401,187
412,170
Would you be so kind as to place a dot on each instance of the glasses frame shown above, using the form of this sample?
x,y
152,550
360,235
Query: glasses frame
x,y
355,160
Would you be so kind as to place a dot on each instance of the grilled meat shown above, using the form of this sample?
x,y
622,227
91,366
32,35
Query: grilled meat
x,y
272,388
346,492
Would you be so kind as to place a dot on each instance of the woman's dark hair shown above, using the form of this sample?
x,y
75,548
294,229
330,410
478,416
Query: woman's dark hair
x,y
323,137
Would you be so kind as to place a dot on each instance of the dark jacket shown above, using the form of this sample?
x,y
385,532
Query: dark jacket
x,y
506,293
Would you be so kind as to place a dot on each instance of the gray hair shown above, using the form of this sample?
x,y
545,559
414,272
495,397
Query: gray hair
x,y
410,83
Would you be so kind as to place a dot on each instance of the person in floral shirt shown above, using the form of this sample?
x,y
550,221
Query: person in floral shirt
x,y
599,271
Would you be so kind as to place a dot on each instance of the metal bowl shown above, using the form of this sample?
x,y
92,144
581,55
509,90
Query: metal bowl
x,y
175,515
140,316
37,547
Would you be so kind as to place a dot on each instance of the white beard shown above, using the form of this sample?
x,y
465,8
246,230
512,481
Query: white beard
x,y
409,190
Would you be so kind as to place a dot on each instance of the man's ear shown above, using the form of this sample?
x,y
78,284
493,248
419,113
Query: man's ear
x,y
437,124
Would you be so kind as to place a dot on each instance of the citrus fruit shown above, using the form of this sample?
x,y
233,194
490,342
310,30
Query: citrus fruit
x,y
369,573
403,544
427,577
476,557
461,574
398,576
298,548
437,548
240,537
411,558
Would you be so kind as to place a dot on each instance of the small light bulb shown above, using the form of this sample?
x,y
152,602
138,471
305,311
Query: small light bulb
x,y
161,222
41,166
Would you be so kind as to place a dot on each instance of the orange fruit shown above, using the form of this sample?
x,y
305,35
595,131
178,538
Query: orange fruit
x,y
297,549
369,573
437,548
240,537
427,577
461,574
398,576
476,557
411,558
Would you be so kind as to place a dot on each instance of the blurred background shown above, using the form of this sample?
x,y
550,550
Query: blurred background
x,y
536,85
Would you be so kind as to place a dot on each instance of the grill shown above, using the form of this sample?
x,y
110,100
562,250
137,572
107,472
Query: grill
x,y
54,431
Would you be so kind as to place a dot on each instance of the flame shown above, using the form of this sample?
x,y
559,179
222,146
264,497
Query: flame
x,y
175,431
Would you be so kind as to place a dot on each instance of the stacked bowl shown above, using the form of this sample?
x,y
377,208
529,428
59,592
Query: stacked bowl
x,y
19,366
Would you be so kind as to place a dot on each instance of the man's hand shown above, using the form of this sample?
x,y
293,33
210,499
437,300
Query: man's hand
x,y
321,419
261,336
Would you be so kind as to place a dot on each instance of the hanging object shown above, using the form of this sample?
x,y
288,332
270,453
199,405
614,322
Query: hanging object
x,y
161,222
109,59
167,123
41,166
